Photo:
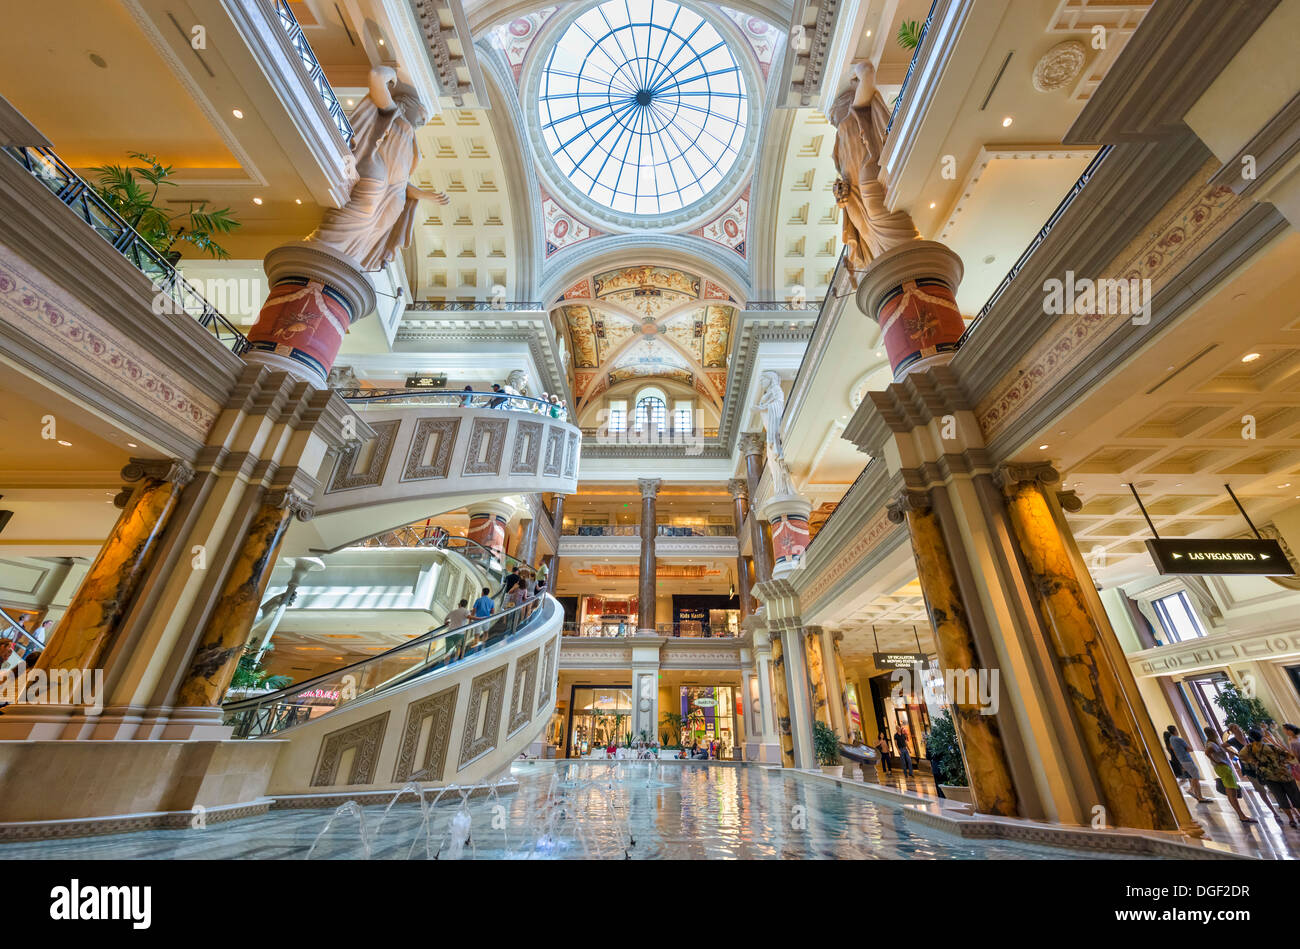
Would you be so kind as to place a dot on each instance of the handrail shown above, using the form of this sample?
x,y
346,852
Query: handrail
x,y
911,67
840,506
79,195
277,711
445,541
767,306
16,627
457,397
315,72
474,306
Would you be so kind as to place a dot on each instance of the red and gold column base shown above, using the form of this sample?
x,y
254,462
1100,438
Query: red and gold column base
x,y
911,291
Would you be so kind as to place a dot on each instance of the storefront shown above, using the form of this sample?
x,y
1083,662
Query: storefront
x,y
608,616
599,716
705,615
709,714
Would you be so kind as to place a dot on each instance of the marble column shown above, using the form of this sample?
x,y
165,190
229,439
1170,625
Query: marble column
x,y
316,295
488,523
649,530
781,701
527,551
1110,728
840,695
817,674
557,521
740,510
911,291
90,624
752,446
982,750
215,658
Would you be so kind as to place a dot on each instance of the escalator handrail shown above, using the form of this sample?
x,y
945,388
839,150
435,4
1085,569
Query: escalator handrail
x,y
291,691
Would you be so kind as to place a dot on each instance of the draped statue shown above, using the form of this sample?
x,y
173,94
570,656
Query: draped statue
x,y
860,117
379,217
771,406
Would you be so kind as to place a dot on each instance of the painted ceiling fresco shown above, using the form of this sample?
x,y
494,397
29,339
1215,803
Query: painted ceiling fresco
x,y
648,322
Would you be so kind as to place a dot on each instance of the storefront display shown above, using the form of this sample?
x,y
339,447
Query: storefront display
x,y
708,715
602,715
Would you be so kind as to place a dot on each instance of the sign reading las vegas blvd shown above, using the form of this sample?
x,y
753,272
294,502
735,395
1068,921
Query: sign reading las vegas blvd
x,y
1248,555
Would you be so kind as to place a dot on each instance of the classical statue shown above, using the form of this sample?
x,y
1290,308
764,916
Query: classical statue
x,y
771,406
379,217
860,117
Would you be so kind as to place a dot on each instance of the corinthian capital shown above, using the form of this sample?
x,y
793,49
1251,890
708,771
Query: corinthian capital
x,y
158,469
752,443
649,487
738,487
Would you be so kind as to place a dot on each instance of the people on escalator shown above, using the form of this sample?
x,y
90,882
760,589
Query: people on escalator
x,y
517,594
459,616
512,580
498,402
467,400
484,605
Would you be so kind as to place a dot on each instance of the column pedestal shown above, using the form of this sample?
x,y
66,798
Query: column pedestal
x,y
488,523
911,291
788,515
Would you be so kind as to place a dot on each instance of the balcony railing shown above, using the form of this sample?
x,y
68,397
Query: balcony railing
x,y
779,306
462,398
602,630
696,530
474,306
911,66
601,530
311,65
79,195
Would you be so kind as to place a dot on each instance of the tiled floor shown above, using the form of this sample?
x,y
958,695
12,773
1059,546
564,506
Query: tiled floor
x,y
1269,839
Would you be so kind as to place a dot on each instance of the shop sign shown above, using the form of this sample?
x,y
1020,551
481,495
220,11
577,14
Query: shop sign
x,y
426,382
704,703
898,660
1250,555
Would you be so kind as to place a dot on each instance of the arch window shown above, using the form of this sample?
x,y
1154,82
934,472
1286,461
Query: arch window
x,y
651,414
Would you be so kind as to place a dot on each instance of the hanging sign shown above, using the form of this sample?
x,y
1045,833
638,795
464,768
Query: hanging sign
x,y
426,382
1261,557
898,660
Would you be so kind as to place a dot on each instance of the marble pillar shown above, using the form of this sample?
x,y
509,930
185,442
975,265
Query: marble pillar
x,y
90,624
557,521
740,510
781,701
316,295
1109,726
753,447
911,291
649,529
987,770
817,674
217,654
527,551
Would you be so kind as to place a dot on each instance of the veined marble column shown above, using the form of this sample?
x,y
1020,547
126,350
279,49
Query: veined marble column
x,y
87,629
839,709
217,654
752,446
1110,728
649,529
911,291
991,786
740,510
781,701
817,674
527,551
316,295
488,522
557,520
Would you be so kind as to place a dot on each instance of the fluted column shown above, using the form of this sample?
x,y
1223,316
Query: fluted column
x,y
981,741
1107,720
752,447
217,654
87,629
649,528
740,510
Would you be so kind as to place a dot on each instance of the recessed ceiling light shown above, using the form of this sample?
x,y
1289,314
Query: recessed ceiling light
x,y
381,42
65,444
132,445
1006,122
1287,485
257,200
1042,448
931,204
297,200
1250,357
237,113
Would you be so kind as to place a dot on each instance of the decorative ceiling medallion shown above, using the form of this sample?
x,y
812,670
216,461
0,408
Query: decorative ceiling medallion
x,y
1059,66
561,229
714,292
729,228
760,34
515,38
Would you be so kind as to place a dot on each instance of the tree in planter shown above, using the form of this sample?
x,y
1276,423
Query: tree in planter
x,y
1240,709
133,193
673,722
909,34
945,753
826,744
251,674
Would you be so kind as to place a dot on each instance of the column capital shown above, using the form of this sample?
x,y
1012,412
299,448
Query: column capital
x,y
292,501
909,500
649,487
739,488
1009,476
158,469
752,443
1070,501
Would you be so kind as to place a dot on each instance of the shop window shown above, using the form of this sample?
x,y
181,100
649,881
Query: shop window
x,y
1178,619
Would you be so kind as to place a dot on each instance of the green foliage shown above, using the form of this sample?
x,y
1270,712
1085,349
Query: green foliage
x,y
946,752
909,34
250,674
132,191
1238,709
826,744
673,722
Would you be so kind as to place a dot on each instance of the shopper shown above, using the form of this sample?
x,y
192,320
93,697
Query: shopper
x,y
904,754
459,615
1173,759
1225,776
483,606
467,399
1293,745
1238,743
497,401
886,759
929,754
1182,753
1272,766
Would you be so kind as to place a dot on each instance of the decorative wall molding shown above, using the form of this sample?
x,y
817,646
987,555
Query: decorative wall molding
x,y
439,709
366,737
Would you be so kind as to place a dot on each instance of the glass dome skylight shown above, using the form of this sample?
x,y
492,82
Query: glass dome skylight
x,y
642,106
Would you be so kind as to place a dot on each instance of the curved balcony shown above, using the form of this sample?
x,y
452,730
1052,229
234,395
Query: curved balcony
x,y
435,452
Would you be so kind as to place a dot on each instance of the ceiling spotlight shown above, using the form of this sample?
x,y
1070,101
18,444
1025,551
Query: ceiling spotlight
x,y
1006,123
381,42
132,445
237,113
1042,448
257,201
297,200
1250,357
65,444
932,205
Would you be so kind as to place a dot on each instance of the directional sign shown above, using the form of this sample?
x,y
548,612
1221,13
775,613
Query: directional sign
x,y
898,660
1220,557
426,382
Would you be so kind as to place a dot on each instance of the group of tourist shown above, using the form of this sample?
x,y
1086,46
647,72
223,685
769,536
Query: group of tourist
x,y
714,750
903,744
23,647
503,398
1270,763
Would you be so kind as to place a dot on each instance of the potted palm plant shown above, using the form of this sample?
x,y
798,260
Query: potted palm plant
x,y
826,745
945,759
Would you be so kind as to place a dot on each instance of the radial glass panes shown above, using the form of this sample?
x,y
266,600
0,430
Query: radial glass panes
x,y
642,106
